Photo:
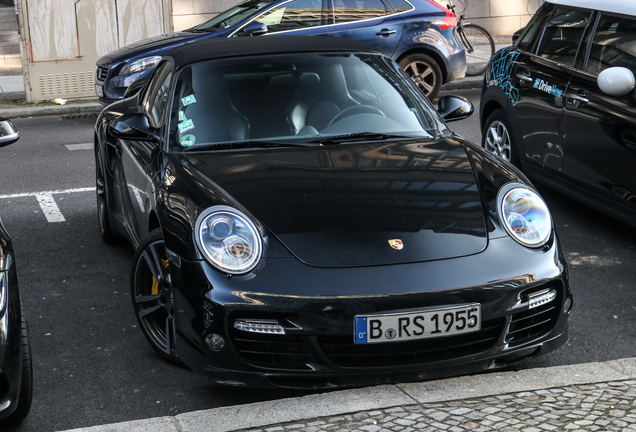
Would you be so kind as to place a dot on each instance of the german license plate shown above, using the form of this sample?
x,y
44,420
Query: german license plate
x,y
392,327
99,90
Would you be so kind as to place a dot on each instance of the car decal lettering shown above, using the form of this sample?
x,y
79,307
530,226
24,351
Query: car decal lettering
x,y
187,140
186,126
539,84
501,68
188,100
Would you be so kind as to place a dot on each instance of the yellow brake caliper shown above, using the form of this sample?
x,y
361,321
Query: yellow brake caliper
x,y
154,290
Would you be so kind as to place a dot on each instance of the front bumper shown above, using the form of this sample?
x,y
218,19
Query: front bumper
x,y
317,307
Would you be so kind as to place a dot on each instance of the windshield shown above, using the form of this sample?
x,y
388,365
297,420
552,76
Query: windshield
x,y
233,15
306,99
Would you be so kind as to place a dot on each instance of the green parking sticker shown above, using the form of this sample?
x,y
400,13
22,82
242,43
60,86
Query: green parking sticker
x,y
182,116
187,141
188,100
186,126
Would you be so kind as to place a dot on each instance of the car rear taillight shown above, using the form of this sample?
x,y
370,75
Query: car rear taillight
x,y
449,21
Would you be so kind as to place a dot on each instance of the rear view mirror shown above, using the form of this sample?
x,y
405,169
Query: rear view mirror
x,y
454,108
616,81
8,133
133,127
255,29
135,87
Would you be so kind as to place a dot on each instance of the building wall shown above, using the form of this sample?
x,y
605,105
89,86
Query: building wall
x,y
497,16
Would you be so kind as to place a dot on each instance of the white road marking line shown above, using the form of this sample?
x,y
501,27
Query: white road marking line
x,y
83,146
47,203
49,208
53,192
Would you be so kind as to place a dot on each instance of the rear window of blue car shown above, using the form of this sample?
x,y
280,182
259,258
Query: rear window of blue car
x,y
401,5
356,10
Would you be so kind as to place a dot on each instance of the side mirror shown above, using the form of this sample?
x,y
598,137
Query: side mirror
x,y
453,108
135,87
255,29
616,81
133,127
8,133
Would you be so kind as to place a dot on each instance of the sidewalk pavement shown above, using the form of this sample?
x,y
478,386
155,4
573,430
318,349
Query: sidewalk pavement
x,y
575,398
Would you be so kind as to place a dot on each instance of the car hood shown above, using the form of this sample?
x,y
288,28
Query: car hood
x,y
358,204
159,44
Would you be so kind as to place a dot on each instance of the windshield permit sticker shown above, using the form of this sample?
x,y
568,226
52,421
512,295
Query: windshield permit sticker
x,y
186,126
187,141
182,116
188,100
501,68
546,87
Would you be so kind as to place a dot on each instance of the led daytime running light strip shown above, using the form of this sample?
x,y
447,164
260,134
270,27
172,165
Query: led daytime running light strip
x,y
541,298
264,327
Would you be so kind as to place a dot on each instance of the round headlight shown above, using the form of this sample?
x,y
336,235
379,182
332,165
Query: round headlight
x,y
525,215
228,239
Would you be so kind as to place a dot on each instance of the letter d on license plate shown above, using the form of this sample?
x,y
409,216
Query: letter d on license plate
x,y
392,327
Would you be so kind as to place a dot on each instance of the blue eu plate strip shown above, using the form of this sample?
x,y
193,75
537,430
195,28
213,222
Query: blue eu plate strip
x,y
361,330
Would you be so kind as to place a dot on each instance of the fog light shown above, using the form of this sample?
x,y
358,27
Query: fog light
x,y
567,306
215,342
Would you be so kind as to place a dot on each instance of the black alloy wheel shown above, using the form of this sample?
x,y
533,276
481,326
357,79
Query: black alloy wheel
x,y
103,215
26,384
425,73
152,296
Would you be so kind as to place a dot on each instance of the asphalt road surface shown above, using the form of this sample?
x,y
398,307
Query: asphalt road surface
x,y
92,364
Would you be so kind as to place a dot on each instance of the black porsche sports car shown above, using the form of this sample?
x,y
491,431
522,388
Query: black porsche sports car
x,y
303,217
16,372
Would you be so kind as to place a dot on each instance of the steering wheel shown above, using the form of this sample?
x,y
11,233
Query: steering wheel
x,y
353,110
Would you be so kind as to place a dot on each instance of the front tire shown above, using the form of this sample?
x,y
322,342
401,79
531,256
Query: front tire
x,y
103,214
425,73
26,385
499,137
152,295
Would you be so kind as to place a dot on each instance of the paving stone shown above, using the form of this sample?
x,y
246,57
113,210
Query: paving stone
x,y
603,407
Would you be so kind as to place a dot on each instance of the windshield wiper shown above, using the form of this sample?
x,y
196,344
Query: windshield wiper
x,y
360,136
243,144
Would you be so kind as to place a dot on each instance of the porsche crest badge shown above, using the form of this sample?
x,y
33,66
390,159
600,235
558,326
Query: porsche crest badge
x,y
396,244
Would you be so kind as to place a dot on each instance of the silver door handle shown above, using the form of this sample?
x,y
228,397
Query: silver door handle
x,y
577,97
525,78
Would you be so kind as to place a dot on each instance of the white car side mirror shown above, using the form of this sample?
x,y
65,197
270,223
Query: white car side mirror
x,y
616,81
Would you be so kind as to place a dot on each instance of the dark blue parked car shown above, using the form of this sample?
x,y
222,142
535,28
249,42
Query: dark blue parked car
x,y
419,34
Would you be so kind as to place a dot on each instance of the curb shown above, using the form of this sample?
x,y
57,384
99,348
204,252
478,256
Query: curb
x,y
21,112
468,83
272,413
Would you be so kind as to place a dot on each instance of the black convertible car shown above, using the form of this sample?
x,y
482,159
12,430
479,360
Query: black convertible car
x,y
16,372
304,218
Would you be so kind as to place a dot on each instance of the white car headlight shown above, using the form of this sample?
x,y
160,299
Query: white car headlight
x,y
524,215
228,239
140,65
